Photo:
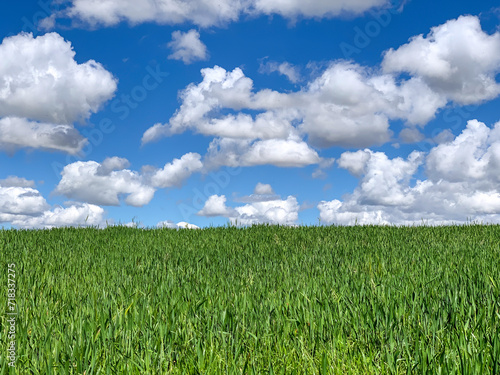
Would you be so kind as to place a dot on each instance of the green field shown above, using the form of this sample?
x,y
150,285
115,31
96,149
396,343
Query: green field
x,y
258,300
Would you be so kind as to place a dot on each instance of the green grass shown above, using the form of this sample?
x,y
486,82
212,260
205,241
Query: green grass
x,y
259,300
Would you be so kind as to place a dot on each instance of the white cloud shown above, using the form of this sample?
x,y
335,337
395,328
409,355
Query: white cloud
x,y
284,212
347,105
43,90
355,162
216,206
473,155
20,201
24,207
16,133
206,13
244,153
180,225
285,68
261,193
40,80
462,184
263,189
75,215
260,210
187,47
176,172
315,8
457,59
342,107
98,184
14,181
112,164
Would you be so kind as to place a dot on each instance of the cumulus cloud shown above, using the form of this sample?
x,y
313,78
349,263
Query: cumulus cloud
x,y
261,193
108,182
216,206
342,107
347,105
187,47
462,184
457,59
41,80
24,207
206,13
473,155
259,211
98,184
355,162
176,172
316,8
14,181
245,153
43,90
263,189
76,215
16,133
20,201
180,225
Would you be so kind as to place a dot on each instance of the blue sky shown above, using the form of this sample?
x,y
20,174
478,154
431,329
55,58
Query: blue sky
x,y
249,111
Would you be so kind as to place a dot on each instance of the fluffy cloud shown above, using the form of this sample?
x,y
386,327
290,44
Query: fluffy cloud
x,y
316,8
176,172
180,225
216,206
24,207
263,189
75,215
341,107
16,133
14,181
473,155
41,80
187,47
259,211
20,201
107,182
219,89
347,105
355,162
245,153
205,13
98,184
457,59
43,90
462,184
